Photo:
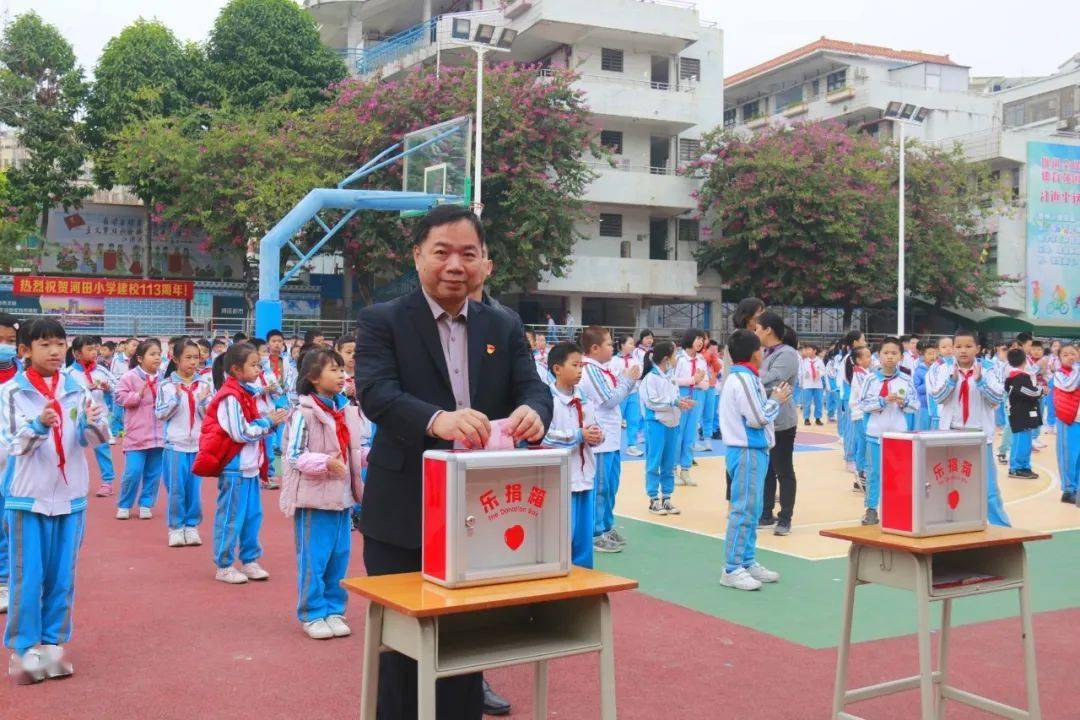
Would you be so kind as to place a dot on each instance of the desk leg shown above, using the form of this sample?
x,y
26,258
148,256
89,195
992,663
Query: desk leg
x,y
540,690
926,667
943,656
844,649
1030,672
425,669
369,692
607,661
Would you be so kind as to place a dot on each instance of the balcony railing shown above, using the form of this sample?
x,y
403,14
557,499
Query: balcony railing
x,y
629,82
396,47
632,167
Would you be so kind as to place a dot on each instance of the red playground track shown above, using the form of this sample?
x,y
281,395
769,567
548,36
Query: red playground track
x,y
157,638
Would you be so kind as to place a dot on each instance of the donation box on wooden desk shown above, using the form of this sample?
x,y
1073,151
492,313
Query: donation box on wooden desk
x,y
933,482
495,516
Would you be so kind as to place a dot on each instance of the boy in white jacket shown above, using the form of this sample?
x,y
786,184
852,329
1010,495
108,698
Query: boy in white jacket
x,y
746,421
47,420
886,399
573,426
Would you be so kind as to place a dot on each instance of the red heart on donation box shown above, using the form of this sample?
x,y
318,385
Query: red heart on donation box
x,y
514,536
954,499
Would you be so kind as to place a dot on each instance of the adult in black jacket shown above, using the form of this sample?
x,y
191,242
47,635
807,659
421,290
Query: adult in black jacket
x,y
432,369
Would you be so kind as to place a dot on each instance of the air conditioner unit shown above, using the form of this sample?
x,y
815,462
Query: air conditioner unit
x,y
1068,123
517,7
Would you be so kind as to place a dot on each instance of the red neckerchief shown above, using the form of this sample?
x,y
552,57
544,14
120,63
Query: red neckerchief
x,y
49,393
611,376
813,371
189,390
8,373
885,384
575,402
151,382
1014,372
626,361
965,393
693,366
748,366
859,369
88,371
275,366
340,427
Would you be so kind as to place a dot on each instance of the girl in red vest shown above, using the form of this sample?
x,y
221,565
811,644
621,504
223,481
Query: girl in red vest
x,y
231,449
1066,410
323,461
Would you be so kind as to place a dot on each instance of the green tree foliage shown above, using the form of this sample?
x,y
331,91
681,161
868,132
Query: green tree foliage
x,y
800,216
536,136
143,73
41,89
262,49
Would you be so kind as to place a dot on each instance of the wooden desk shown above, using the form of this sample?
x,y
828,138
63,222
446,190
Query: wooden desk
x,y
458,631
910,564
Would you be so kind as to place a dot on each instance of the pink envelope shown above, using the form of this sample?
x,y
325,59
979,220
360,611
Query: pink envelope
x,y
500,438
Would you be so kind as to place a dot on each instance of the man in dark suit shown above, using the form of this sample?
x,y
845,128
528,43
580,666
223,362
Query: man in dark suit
x,y
432,369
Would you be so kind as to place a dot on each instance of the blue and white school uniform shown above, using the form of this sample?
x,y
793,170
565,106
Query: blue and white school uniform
x,y
685,367
858,418
606,392
238,515
883,417
1068,433
182,407
832,390
44,506
631,406
812,380
571,414
271,395
923,414
6,469
660,406
282,386
983,396
1001,369
746,421
102,453
117,368
844,410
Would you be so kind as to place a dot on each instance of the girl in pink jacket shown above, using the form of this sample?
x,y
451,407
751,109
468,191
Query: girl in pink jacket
x,y
323,461
144,437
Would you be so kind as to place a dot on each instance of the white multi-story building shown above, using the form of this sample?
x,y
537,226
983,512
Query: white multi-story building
x,y
652,72
993,119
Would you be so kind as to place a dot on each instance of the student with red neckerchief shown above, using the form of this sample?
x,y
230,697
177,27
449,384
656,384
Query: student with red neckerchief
x,y
9,368
47,419
89,373
144,437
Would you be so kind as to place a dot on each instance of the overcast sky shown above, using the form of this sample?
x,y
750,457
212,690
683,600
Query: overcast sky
x,y
995,37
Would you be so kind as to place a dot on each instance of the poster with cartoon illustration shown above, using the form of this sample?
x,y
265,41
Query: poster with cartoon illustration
x,y
108,240
1053,232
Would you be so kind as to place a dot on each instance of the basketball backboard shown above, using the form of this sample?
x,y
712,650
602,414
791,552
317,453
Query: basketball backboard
x,y
438,159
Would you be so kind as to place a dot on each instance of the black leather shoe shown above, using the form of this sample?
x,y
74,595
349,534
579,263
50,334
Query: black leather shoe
x,y
494,704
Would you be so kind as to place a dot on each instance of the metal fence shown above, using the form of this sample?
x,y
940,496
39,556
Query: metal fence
x,y
121,326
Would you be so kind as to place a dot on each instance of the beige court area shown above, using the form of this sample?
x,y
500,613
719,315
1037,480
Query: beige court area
x,y
825,498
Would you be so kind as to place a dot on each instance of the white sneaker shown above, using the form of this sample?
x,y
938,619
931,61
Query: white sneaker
x,y
3,598
145,514
123,514
191,536
688,479
318,630
338,626
55,664
741,579
849,466
29,667
176,538
112,440
634,451
680,479
669,508
230,575
762,574
700,446
254,571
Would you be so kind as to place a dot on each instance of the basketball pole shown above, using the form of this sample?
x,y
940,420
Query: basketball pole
x,y
478,206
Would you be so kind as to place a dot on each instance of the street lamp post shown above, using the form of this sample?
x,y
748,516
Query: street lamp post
x,y
903,114
483,39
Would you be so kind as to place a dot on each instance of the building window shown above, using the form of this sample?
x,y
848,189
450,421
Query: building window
x,y
789,97
611,60
689,150
610,225
689,230
750,111
1015,183
612,140
689,68
1035,108
815,88
836,81
729,118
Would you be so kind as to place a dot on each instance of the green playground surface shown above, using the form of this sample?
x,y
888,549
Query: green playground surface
x,y
805,606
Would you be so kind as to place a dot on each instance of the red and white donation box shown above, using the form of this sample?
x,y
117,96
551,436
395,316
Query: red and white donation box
x,y
933,482
495,516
